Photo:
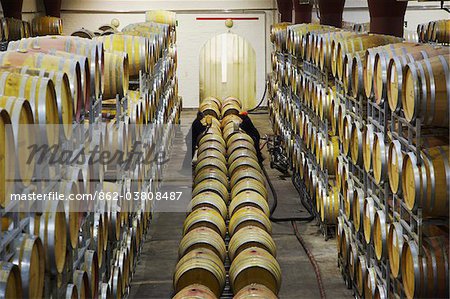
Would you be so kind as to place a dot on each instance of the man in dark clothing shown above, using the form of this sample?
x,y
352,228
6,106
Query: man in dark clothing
x,y
249,128
197,130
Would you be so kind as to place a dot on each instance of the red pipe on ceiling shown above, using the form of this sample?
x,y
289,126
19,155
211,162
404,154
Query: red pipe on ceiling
x,y
302,12
331,12
387,16
12,8
53,8
285,9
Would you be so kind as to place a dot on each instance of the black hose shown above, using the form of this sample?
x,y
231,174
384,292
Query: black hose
x,y
275,204
311,259
262,99
296,232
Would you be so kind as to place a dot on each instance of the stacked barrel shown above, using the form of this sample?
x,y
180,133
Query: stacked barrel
x,y
14,29
387,102
435,31
60,84
300,105
229,223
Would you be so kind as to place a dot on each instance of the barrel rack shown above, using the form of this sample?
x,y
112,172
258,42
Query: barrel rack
x,y
294,145
57,284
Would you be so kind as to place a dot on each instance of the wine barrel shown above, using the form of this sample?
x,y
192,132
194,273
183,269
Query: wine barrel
x,y
243,152
211,153
46,25
395,72
359,43
236,138
10,281
64,97
356,143
394,246
395,161
116,282
97,237
249,184
368,143
368,219
213,134
93,50
205,217
251,236
116,75
240,144
72,210
380,292
249,216
426,275
427,186
41,94
329,208
248,198
88,90
348,192
50,63
105,291
380,228
203,237
255,291
242,163
441,31
428,101
91,268
379,158
195,291
7,149
29,256
21,116
13,29
81,280
211,145
123,263
370,283
370,65
352,260
358,208
255,265
325,45
84,33
210,200
245,173
361,273
200,266
136,47
380,65
71,291
213,186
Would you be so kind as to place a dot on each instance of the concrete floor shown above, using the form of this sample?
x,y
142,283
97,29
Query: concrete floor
x,y
153,277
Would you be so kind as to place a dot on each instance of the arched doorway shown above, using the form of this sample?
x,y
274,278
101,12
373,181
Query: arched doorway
x,y
228,68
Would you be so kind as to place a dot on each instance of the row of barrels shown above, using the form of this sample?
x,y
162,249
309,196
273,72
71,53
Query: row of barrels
x,y
434,31
420,267
325,151
362,215
228,189
402,73
54,233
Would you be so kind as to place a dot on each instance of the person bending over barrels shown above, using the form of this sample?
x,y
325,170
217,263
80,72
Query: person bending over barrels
x,y
249,128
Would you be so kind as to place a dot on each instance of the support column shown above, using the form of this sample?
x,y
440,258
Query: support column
x,y
285,9
331,12
53,8
12,8
387,16
302,12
